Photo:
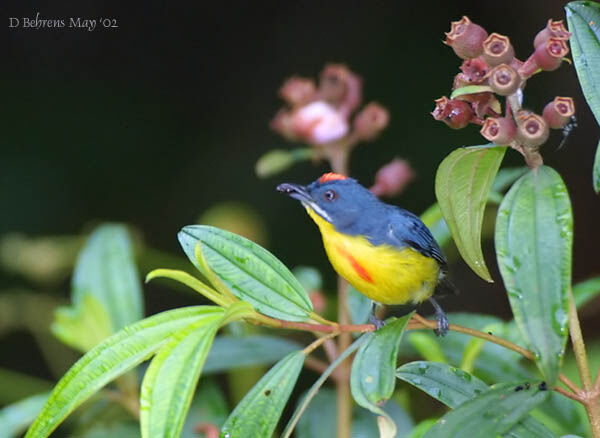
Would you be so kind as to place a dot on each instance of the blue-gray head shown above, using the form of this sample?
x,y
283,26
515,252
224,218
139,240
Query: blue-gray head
x,y
339,200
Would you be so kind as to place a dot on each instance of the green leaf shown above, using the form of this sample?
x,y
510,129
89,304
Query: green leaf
x,y
359,306
251,272
584,24
111,358
83,326
586,291
319,419
421,429
470,89
534,239
453,387
491,413
15,418
106,269
190,281
278,160
259,411
596,171
170,380
236,352
372,380
314,389
462,184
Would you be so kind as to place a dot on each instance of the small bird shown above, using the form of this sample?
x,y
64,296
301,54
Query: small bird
x,y
384,251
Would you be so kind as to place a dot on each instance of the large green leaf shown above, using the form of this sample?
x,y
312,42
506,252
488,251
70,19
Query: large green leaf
x,y
113,357
453,386
170,380
493,412
584,23
106,269
372,380
249,271
462,184
15,418
534,239
235,352
259,411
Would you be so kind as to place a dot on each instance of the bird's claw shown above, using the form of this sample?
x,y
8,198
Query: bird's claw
x,y
378,323
442,325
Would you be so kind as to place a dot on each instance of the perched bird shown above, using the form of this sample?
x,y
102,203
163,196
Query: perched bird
x,y
384,251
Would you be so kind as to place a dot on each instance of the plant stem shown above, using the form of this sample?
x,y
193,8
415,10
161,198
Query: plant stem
x,y
344,399
589,396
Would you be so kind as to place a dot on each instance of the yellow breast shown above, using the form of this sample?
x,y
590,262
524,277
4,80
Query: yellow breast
x,y
383,273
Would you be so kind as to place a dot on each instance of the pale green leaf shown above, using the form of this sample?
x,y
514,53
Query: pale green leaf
x,y
112,358
249,271
106,269
462,184
372,379
83,326
258,413
359,306
585,291
170,380
470,89
278,160
190,281
534,239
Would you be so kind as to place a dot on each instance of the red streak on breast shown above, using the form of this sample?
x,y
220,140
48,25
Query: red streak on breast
x,y
358,268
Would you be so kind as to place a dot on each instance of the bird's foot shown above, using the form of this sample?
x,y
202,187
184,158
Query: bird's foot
x,y
442,324
442,320
378,323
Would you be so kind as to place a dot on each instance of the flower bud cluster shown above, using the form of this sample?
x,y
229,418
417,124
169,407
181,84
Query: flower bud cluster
x,y
323,114
490,69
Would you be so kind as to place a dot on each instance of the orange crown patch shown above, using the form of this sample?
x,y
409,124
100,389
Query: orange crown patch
x,y
331,176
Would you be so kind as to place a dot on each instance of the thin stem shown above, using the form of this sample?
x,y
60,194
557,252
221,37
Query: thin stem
x,y
344,399
569,383
316,344
568,394
590,399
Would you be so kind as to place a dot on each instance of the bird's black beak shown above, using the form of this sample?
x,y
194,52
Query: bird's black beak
x,y
295,191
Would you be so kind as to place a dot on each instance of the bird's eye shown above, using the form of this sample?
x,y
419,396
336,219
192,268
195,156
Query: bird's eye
x,y
330,195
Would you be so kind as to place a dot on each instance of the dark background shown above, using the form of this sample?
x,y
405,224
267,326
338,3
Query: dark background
x,y
156,121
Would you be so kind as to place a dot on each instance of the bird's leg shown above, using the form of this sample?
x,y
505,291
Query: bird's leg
x,y
440,316
378,323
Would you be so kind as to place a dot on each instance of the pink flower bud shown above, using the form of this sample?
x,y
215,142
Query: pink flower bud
x,y
497,50
341,88
282,123
474,71
453,112
553,29
319,123
499,130
559,112
466,38
546,56
393,178
504,80
370,121
298,91
532,129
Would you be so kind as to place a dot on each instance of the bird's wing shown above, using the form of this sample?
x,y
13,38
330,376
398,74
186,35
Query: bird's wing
x,y
406,229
